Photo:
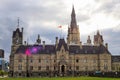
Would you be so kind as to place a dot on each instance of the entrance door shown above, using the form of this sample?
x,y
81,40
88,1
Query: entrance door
x,y
63,69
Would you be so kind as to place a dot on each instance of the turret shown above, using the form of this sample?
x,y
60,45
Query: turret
x,y
38,41
88,40
98,39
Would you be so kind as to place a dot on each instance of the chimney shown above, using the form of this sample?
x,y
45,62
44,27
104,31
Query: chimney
x,y
106,45
80,45
43,44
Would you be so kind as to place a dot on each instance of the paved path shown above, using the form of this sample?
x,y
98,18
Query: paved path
x,y
3,76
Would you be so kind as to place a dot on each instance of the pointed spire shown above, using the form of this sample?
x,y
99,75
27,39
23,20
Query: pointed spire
x,y
98,33
38,40
89,40
18,21
73,10
73,18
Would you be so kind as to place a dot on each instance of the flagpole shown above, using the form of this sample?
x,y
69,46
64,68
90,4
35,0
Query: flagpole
x,y
60,31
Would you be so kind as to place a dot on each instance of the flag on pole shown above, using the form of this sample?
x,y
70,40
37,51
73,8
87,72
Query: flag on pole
x,y
60,26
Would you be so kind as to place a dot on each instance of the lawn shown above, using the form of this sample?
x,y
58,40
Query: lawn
x,y
62,78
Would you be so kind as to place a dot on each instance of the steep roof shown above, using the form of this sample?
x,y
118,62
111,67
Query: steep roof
x,y
62,43
17,31
115,58
87,49
36,49
73,49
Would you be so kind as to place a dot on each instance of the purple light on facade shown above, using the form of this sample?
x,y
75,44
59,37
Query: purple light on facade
x,y
34,50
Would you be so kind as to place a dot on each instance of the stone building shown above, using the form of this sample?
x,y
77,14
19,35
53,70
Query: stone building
x,y
60,59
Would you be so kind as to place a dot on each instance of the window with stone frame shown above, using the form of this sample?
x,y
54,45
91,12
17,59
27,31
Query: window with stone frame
x,y
31,67
70,68
70,59
31,60
105,60
77,67
54,60
85,60
113,68
47,67
20,60
86,68
94,68
20,67
105,67
94,60
39,60
54,68
62,57
39,67
77,60
62,50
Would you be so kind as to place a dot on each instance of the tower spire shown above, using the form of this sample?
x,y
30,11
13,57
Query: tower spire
x,y
73,18
73,30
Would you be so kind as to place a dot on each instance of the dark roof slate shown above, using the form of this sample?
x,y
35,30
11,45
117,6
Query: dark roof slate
x,y
73,49
115,58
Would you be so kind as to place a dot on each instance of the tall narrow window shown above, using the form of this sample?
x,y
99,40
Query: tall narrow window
x,y
20,67
39,60
31,60
77,67
54,68
47,67
77,60
20,60
31,67
39,67
105,67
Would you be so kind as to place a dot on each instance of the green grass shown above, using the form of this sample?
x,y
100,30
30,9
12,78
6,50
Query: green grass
x,y
62,78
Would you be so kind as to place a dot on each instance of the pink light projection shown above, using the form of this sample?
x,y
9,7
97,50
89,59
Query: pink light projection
x,y
27,52
33,50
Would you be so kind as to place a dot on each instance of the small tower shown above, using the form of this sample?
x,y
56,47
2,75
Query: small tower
x,y
38,41
88,40
17,38
98,39
73,36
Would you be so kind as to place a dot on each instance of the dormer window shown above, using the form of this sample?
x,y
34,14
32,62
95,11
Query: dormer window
x,y
47,51
77,51
85,51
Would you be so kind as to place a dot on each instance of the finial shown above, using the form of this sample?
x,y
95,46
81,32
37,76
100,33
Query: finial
x,y
18,22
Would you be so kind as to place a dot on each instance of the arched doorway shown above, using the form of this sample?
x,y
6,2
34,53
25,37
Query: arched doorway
x,y
63,69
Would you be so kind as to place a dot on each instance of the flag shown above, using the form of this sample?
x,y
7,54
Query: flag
x,y
59,26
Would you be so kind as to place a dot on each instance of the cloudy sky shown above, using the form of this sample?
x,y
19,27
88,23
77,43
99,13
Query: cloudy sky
x,y
44,16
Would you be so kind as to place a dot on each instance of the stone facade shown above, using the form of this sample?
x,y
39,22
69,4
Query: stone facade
x,y
70,58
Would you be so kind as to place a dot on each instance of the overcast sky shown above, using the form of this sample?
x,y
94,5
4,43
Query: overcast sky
x,y
44,16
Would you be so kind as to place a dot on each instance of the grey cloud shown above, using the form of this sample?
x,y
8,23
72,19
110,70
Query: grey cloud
x,y
109,7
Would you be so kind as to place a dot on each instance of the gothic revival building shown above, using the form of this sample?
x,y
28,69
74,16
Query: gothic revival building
x,y
60,59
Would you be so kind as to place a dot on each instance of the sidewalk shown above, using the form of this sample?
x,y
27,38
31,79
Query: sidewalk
x,y
4,76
